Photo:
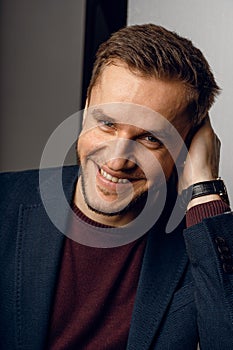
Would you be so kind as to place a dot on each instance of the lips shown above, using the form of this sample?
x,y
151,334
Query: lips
x,y
108,183
111,178
111,183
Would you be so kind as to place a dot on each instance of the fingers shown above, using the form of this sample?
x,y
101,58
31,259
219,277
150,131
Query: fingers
x,y
202,163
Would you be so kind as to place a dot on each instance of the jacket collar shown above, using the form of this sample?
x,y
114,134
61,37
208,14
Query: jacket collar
x,y
164,263
38,256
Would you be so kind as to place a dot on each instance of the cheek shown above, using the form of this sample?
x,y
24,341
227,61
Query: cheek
x,y
166,163
87,142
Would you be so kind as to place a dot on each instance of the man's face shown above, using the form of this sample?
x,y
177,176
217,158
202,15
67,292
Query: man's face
x,y
123,147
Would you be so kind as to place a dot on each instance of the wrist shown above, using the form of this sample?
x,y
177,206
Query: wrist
x,y
201,200
199,178
205,191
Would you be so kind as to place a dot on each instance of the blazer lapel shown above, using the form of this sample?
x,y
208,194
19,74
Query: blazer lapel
x,y
163,265
38,255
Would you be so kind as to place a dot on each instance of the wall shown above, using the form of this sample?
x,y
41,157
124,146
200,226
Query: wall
x,y
209,25
41,47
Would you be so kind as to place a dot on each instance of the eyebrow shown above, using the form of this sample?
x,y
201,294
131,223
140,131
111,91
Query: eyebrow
x,y
98,112
161,134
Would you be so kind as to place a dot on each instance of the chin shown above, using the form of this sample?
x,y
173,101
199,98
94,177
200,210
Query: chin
x,y
133,207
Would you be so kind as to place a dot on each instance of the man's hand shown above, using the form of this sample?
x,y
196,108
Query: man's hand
x,y
202,163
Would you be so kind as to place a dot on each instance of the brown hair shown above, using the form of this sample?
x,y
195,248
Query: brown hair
x,y
152,50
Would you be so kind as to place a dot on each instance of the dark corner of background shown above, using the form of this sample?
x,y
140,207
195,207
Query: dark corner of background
x,y
103,17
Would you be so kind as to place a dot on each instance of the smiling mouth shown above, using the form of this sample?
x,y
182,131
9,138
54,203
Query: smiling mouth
x,y
113,178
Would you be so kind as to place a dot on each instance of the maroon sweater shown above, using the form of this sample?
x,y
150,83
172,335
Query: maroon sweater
x,y
96,291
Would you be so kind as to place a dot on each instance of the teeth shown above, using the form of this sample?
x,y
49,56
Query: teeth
x,y
112,178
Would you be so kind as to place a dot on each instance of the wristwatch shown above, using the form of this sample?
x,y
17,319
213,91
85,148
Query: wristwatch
x,y
205,188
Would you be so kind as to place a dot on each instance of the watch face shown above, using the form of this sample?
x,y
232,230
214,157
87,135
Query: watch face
x,y
222,191
219,185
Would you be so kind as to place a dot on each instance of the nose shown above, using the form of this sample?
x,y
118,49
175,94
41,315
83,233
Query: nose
x,y
122,155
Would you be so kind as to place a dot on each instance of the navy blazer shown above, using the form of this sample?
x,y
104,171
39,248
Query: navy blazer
x,y
185,291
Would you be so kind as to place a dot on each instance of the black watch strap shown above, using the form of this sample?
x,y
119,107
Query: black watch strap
x,y
205,188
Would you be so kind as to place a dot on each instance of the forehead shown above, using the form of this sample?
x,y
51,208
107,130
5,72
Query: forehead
x,y
118,84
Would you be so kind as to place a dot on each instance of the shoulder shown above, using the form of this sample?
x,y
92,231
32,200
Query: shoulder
x,y
25,184
14,184
13,177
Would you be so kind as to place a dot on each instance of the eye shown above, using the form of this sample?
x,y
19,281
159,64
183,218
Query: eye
x,y
151,141
106,124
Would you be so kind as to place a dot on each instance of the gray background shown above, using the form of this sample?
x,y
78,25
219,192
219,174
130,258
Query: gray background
x,y
42,43
209,24
41,47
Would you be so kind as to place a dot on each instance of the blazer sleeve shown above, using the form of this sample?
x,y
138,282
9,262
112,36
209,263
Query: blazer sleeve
x,y
209,245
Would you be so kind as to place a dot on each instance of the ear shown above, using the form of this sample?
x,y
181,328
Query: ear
x,y
85,111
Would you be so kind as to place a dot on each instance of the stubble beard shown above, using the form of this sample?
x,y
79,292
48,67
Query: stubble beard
x,y
136,205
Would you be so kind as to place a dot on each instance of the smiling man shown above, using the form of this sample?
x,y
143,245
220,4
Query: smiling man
x,y
146,147
104,138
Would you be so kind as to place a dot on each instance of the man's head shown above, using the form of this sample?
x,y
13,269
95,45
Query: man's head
x,y
151,50
148,86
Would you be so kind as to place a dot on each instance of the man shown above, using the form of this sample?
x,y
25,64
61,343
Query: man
x,y
148,99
